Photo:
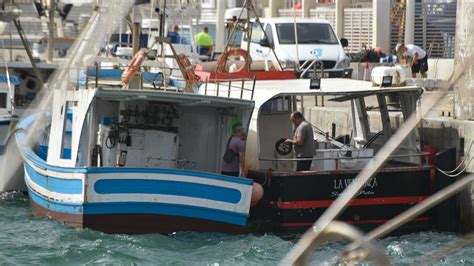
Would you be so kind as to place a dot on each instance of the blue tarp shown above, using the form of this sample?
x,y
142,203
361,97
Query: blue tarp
x,y
114,74
13,79
126,38
106,73
152,77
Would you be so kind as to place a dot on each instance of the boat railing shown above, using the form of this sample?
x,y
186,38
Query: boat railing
x,y
157,82
231,88
423,159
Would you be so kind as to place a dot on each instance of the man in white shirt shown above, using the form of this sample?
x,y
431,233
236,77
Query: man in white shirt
x,y
419,62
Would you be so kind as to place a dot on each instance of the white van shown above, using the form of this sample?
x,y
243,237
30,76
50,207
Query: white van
x,y
316,41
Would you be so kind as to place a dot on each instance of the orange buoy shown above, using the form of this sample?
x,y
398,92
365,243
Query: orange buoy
x,y
184,63
133,66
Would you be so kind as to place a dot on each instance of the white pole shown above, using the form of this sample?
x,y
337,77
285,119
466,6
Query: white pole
x,y
220,26
410,22
51,27
152,9
296,36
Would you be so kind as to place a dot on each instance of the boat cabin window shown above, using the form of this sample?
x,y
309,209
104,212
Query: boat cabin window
x,y
275,105
3,100
67,131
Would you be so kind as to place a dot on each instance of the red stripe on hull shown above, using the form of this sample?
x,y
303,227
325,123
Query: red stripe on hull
x,y
259,75
354,202
308,224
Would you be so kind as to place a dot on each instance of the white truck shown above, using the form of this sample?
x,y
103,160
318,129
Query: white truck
x,y
317,43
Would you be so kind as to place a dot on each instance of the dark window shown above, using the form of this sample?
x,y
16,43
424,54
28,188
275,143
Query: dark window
x,y
308,33
3,100
269,32
275,105
67,131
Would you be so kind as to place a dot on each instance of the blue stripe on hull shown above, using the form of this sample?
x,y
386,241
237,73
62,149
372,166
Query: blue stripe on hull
x,y
138,208
55,206
165,209
5,123
167,187
65,186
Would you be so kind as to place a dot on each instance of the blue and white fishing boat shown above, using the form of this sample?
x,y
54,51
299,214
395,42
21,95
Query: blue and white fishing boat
x,y
136,161
132,159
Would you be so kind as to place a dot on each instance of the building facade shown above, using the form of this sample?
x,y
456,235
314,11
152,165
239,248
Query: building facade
x,y
429,24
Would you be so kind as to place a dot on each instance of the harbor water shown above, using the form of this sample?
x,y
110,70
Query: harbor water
x,y
25,239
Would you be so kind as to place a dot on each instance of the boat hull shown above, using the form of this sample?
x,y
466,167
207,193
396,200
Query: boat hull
x,y
137,201
135,223
294,201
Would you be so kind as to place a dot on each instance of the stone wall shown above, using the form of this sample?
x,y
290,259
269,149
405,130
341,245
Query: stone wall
x,y
464,56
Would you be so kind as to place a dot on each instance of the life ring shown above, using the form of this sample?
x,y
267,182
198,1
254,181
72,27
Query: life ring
x,y
185,64
221,61
133,66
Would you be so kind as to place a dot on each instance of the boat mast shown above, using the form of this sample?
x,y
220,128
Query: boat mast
x,y
26,44
51,27
162,24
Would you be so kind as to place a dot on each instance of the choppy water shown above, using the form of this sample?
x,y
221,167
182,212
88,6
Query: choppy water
x,y
25,239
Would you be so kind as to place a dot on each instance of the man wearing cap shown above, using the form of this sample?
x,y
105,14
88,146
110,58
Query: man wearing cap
x,y
419,63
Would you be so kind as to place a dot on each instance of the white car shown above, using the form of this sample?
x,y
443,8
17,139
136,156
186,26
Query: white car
x,y
316,42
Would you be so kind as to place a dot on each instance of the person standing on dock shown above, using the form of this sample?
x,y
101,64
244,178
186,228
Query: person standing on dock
x,y
303,141
204,42
419,62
